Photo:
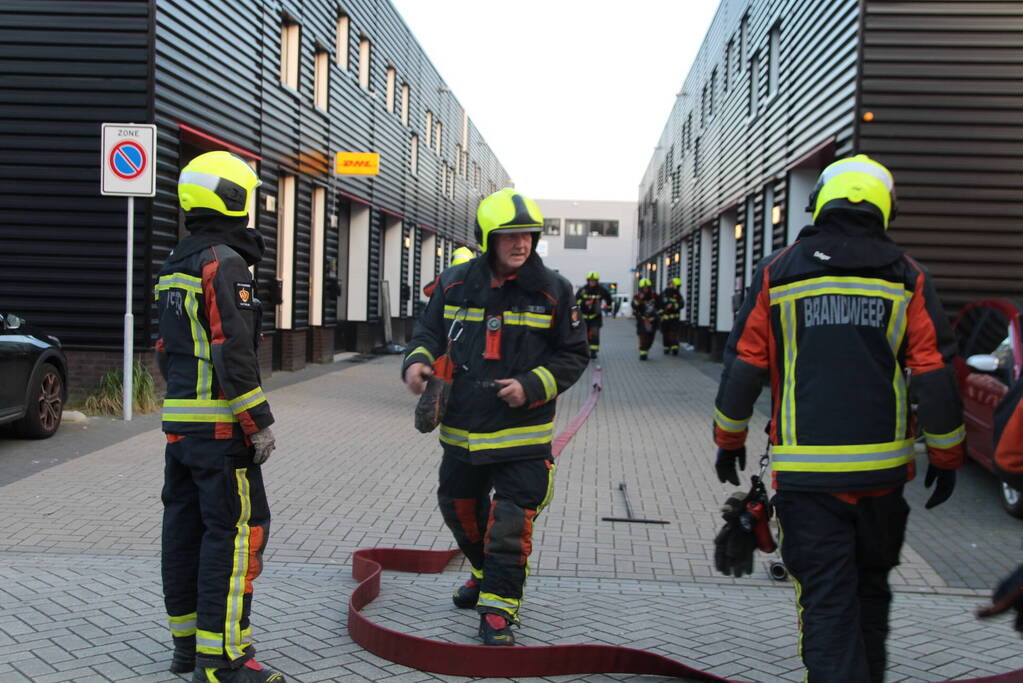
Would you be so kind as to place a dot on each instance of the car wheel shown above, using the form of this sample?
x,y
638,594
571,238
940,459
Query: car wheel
x,y
1012,500
46,404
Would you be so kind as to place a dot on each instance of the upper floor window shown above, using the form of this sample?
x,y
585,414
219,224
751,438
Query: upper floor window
x,y
290,33
342,40
428,128
591,227
773,47
321,79
754,86
438,133
405,94
743,39
365,54
414,154
552,226
389,99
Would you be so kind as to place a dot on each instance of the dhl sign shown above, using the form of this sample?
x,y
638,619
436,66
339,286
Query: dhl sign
x,y
357,163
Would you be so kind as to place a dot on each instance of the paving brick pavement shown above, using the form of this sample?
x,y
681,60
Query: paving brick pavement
x,y
79,570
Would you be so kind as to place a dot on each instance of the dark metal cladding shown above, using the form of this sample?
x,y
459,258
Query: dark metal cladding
x,y
944,82
209,75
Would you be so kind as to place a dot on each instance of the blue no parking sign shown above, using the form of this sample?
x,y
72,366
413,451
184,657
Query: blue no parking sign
x,y
127,159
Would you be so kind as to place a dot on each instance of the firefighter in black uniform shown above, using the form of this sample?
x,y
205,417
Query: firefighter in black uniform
x,y
514,333
217,420
592,300
672,305
646,307
833,322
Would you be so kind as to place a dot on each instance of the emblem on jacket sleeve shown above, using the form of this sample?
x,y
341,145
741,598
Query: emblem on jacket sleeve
x,y
243,295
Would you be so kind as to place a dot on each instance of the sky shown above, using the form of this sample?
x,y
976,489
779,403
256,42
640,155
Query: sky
x,y
571,95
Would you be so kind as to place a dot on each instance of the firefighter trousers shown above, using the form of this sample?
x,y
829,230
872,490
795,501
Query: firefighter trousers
x,y
669,333
593,334
215,525
839,555
645,330
496,533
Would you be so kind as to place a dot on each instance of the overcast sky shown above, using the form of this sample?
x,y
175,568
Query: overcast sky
x,y
572,95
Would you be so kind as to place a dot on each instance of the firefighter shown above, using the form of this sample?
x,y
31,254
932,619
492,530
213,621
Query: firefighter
x,y
1008,465
514,333
646,308
672,305
593,299
833,322
460,255
217,421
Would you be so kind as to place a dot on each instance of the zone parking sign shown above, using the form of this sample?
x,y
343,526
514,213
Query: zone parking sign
x,y
127,160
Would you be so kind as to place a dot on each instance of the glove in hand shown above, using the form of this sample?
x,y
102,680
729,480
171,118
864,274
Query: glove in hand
x,y
264,443
725,464
1008,595
943,489
734,544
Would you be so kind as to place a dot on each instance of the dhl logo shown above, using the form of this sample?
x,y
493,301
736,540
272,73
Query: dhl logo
x,y
357,163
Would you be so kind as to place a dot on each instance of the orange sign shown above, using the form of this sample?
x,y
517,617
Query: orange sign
x,y
357,163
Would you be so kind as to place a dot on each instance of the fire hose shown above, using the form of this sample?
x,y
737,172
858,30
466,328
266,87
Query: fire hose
x,y
456,659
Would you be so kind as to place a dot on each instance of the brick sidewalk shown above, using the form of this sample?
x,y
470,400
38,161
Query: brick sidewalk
x,y
79,570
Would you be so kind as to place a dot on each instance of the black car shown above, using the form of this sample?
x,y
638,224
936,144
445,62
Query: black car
x,y
33,378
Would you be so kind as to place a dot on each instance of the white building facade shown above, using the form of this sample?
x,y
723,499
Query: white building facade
x,y
582,236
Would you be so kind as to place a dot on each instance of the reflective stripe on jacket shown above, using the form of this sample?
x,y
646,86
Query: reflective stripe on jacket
x,y
589,300
835,344
528,329
209,322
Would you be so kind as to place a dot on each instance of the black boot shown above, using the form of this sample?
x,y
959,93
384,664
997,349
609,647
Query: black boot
x,y
184,655
593,354
249,672
495,629
468,594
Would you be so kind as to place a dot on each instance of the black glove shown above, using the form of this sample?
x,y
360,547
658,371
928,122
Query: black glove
x,y
943,489
1008,595
734,544
725,464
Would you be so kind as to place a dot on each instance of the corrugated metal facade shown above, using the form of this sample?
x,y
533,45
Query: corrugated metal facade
x,y
64,69
209,75
778,91
753,107
944,82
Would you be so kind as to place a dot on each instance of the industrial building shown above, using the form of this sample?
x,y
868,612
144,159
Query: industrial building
x,y
780,88
285,84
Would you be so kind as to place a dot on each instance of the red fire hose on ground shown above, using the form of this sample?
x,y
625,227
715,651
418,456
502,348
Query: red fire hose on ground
x,y
456,659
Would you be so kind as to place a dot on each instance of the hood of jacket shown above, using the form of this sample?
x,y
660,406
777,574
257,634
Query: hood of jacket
x,y
210,230
849,241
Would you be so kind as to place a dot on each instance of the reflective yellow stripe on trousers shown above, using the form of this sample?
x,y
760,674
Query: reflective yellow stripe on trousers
x,y
233,643
505,438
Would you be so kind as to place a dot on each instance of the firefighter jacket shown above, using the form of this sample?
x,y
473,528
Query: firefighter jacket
x,y
672,304
209,326
528,329
834,321
589,300
1008,437
647,309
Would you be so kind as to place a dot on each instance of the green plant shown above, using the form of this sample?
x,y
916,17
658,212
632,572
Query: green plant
x,y
106,399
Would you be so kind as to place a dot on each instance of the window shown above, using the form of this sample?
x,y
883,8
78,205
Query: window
x,y
696,158
316,258
710,93
365,54
743,35
342,41
438,133
475,175
676,183
320,79
389,98
590,227
413,155
727,71
285,248
289,54
428,128
772,60
552,226
404,103
458,160
754,87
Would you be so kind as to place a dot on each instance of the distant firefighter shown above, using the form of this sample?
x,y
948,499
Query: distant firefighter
x,y
646,307
672,305
593,299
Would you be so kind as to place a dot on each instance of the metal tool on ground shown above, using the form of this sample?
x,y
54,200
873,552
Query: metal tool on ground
x,y
628,511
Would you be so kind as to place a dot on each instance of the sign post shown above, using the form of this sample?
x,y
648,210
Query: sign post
x,y
127,161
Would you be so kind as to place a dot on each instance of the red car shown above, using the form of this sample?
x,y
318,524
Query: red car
x,y
990,359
